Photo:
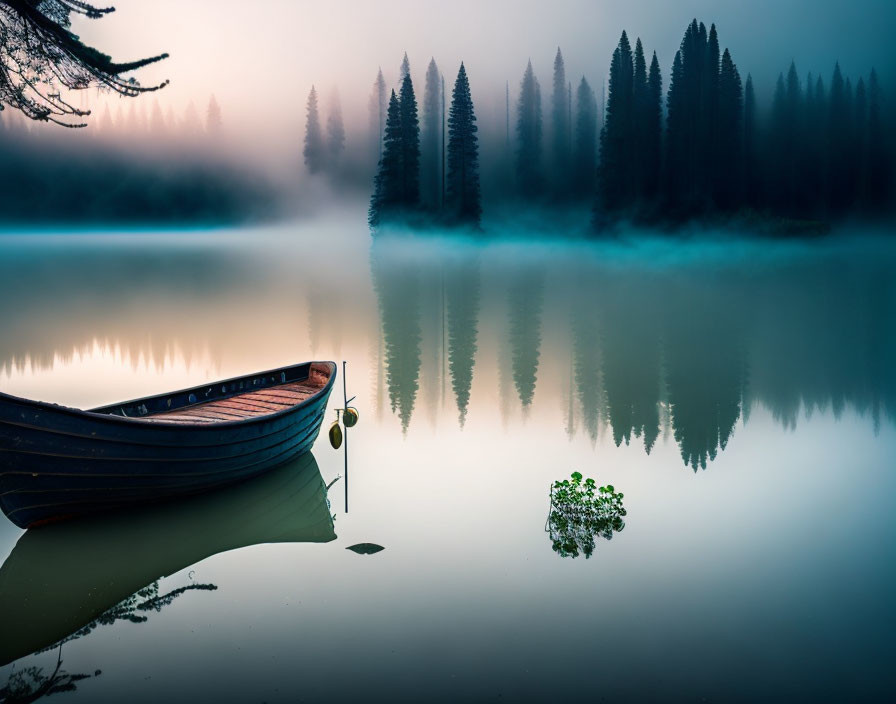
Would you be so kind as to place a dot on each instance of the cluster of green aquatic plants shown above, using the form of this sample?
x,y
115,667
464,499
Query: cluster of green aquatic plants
x,y
581,510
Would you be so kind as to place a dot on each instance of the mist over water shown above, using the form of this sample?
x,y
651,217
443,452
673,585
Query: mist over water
x,y
727,372
733,389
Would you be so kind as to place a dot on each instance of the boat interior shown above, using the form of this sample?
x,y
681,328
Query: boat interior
x,y
232,400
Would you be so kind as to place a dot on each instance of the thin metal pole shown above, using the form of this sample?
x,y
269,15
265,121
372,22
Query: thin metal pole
x,y
345,405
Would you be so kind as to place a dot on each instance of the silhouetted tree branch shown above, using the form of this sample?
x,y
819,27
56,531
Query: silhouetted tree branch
x,y
39,56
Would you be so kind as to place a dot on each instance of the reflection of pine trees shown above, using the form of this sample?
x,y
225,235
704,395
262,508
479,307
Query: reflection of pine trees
x,y
462,286
631,350
526,301
398,289
705,377
587,363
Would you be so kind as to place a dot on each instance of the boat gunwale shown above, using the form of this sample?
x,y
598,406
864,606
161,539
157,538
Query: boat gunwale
x,y
95,414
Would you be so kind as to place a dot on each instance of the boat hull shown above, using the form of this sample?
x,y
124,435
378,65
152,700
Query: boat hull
x,y
58,463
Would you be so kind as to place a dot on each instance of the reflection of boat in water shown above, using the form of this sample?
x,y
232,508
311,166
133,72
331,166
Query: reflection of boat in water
x,y
59,578
60,462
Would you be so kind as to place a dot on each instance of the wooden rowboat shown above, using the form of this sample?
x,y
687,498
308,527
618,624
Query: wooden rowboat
x,y
58,463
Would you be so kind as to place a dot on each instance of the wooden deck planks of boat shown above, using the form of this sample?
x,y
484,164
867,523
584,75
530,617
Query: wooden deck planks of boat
x,y
247,405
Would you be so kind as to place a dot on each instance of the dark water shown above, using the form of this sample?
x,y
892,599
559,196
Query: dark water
x,y
741,395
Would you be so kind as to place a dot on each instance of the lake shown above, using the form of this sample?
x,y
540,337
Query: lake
x,y
741,394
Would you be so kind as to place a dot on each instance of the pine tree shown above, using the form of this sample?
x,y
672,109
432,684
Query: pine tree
x,y
430,156
792,155
729,155
860,143
410,144
838,144
528,128
463,202
691,133
709,116
751,186
879,163
387,196
404,70
676,134
814,163
641,118
560,124
335,132
315,150
777,159
377,113
615,176
848,146
585,155
654,130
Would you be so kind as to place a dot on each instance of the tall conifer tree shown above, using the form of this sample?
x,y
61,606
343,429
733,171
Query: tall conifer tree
x,y
387,196
560,123
410,144
838,143
615,177
404,70
315,149
729,154
654,131
641,119
377,113
463,203
751,186
860,142
676,134
585,154
430,141
879,156
529,130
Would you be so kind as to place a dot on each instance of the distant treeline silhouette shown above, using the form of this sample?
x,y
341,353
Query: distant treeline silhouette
x,y
697,150
113,178
821,154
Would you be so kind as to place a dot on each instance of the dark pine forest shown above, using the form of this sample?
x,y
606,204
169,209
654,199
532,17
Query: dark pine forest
x,y
697,149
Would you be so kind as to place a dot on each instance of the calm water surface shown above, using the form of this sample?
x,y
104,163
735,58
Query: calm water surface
x,y
741,395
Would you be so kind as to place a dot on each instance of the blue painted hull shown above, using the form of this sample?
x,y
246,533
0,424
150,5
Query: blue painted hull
x,y
58,463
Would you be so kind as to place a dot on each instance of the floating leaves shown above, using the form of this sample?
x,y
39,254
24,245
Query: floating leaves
x,y
580,510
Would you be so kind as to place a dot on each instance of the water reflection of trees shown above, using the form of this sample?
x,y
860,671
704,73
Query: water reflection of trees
x,y
526,300
631,354
462,292
399,291
688,350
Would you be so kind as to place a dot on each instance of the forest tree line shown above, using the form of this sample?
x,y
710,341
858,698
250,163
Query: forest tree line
x,y
114,178
649,153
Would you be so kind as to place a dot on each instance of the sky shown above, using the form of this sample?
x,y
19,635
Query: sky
x,y
260,59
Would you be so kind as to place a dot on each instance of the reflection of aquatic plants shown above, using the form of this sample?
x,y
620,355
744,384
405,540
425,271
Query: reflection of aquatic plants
x,y
133,609
581,510
30,684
